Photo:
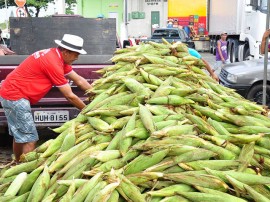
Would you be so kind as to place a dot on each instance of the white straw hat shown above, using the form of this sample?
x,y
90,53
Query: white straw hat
x,y
71,42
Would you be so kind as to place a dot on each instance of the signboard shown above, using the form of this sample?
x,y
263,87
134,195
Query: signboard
x,y
21,12
20,3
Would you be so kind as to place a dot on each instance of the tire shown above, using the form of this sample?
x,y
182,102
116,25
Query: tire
x,y
229,47
5,138
211,46
214,46
241,52
234,51
246,54
126,43
255,94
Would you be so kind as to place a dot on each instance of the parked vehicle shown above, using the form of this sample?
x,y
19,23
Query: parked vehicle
x,y
171,35
99,42
244,21
246,78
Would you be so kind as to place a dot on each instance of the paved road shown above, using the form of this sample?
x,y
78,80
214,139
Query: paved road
x,y
210,58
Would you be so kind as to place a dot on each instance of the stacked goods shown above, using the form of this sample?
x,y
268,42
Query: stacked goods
x,y
157,129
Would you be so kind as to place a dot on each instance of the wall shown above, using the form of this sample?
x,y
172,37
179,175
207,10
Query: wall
x,y
142,27
107,8
135,27
192,12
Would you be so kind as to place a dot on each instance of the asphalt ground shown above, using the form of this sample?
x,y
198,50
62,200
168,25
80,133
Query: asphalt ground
x,y
45,133
210,58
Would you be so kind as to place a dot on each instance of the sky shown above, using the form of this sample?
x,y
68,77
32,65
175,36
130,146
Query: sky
x,y
6,13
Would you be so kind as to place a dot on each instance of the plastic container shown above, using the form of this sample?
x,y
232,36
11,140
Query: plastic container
x,y
187,30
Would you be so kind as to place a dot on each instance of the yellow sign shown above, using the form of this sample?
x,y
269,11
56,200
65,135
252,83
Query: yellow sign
x,y
187,8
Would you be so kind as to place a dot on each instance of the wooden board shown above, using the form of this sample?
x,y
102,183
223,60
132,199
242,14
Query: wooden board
x,y
28,35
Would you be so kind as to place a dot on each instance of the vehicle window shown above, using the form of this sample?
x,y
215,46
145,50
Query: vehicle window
x,y
183,34
160,33
166,33
262,5
174,33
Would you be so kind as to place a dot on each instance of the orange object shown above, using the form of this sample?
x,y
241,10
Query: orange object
x,y
20,3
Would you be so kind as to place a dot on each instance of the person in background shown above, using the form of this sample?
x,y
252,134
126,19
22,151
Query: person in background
x,y
196,54
170,23
32,80
221,53
265,35
3,49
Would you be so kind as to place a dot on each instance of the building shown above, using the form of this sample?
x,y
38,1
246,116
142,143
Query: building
x,y
133,18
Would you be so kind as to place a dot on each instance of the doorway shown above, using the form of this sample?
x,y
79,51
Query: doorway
x,y
155,20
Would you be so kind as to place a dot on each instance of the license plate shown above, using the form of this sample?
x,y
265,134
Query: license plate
x,y
51,116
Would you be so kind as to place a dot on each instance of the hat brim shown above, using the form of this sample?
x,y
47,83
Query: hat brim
x,y
82,51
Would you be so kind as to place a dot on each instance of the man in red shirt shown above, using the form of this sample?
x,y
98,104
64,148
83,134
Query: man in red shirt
x,y
32,80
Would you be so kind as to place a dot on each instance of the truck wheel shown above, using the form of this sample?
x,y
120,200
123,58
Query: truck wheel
x,y
5,138
126,43
211,46
234,51
246,54
255,94
229,45
241,52
214,46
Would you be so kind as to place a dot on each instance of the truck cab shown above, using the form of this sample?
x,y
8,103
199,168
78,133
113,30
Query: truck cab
x,y
171,35
243,20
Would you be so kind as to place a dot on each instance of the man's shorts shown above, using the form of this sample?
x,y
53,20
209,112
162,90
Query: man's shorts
x,y
20,120
218,66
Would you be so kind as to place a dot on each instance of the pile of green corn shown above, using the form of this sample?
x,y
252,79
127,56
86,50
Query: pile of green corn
x,y
157,129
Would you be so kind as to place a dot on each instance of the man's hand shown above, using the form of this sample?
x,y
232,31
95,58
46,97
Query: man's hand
x,y
214,76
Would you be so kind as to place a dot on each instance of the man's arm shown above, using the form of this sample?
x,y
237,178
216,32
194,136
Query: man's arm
x,y
265,35
79,81
219,51
71,97
209,69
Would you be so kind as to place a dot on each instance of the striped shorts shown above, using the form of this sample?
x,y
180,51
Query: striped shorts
x,y
20,120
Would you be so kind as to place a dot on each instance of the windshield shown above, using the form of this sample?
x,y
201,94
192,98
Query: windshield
x,y
263,5
166,34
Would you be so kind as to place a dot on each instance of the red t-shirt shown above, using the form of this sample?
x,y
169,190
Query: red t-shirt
x,y
35,76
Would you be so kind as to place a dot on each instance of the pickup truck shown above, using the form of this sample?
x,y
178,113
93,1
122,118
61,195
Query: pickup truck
x,y
171,35
54,109
99,42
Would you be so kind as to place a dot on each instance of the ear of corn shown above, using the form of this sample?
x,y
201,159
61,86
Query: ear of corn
x,y
16,184
81,193
40,187
30,180
145,161
255,195
171,190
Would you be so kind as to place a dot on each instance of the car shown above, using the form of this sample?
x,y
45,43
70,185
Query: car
x,y
247,79
170,34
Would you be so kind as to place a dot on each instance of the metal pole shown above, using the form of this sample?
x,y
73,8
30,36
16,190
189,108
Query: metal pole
x,y
266,57
6,14
61,7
